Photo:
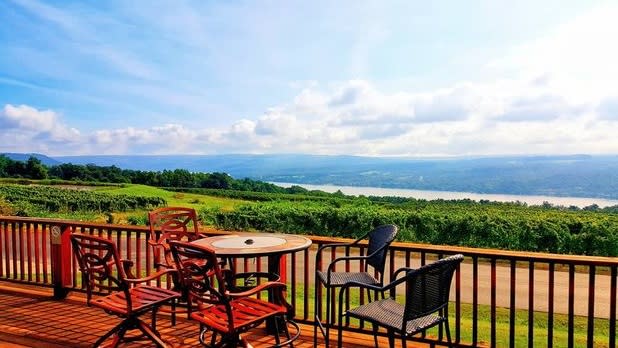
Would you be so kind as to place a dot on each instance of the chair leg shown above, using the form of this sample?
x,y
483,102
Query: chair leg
x,y
403,340
119,337
391,338
109,333
287,332
375,334
340,334
173,305
147,330
328,316
289,339
232,341
243,343
317,296
213,338
276,323
342,292
189,308
448,333
154,318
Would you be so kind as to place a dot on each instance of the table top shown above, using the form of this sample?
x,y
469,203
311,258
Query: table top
x,y
255,244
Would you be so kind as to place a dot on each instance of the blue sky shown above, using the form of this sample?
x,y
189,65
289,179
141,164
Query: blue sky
x,y
378,78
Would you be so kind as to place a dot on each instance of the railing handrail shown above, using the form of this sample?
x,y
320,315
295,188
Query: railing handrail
x,y
486,252
533,256
32,249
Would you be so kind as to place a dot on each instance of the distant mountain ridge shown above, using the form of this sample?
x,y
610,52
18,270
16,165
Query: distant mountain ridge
x,y
574,175
46,160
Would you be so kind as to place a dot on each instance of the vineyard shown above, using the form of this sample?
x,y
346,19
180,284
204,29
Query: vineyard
x,y
511,226
35,200
464,223
316,196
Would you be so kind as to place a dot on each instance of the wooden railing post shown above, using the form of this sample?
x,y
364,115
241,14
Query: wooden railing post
x,y
283,269
61,260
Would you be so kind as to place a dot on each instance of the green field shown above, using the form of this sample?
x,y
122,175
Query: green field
x,y
510,226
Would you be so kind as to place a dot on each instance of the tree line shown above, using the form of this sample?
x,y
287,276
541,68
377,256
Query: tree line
x,y
216,184
33,168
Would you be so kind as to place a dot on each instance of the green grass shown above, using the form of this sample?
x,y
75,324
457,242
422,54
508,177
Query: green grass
x,y
196,201
191,200
77,216
175,198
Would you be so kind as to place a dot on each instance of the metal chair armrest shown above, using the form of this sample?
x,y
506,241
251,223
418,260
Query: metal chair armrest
x,y
332,264
318,255
259,288
250,279
152,276
402,269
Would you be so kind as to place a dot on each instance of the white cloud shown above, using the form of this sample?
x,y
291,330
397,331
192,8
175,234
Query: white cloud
x,y
579,56
502,117
169,139
556,94
37,126
352,92
28,118
540,108
276,124
450,105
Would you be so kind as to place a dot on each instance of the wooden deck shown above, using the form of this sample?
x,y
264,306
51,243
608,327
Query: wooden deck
x,y
30,317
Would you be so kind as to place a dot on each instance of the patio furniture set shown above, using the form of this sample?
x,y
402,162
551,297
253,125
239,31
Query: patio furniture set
x,y
223,302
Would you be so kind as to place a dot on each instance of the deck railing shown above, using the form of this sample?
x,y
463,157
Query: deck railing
x,y
499,298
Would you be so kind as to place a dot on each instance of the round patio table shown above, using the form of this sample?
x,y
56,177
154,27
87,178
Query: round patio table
x,y
245,244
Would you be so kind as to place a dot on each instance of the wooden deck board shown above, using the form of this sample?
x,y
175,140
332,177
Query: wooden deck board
x,y
35,319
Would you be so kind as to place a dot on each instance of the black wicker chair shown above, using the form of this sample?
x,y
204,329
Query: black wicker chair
x,y
379,240
426,301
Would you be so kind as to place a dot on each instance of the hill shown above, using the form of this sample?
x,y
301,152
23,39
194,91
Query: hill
x,y
48,161
576,175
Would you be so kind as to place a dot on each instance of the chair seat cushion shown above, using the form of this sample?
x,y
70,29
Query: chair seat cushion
x,y
247,312
143,298
389,313
340,278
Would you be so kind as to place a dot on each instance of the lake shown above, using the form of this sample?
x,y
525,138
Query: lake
x,y
429,195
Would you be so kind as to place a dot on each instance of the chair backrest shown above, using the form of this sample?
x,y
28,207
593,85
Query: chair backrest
x,y
379,240
428,287
200,273
175,223
173,220
99,262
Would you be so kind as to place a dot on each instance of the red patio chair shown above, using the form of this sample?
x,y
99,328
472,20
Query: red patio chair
x,y
226,313
175,223
103,270
181,224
